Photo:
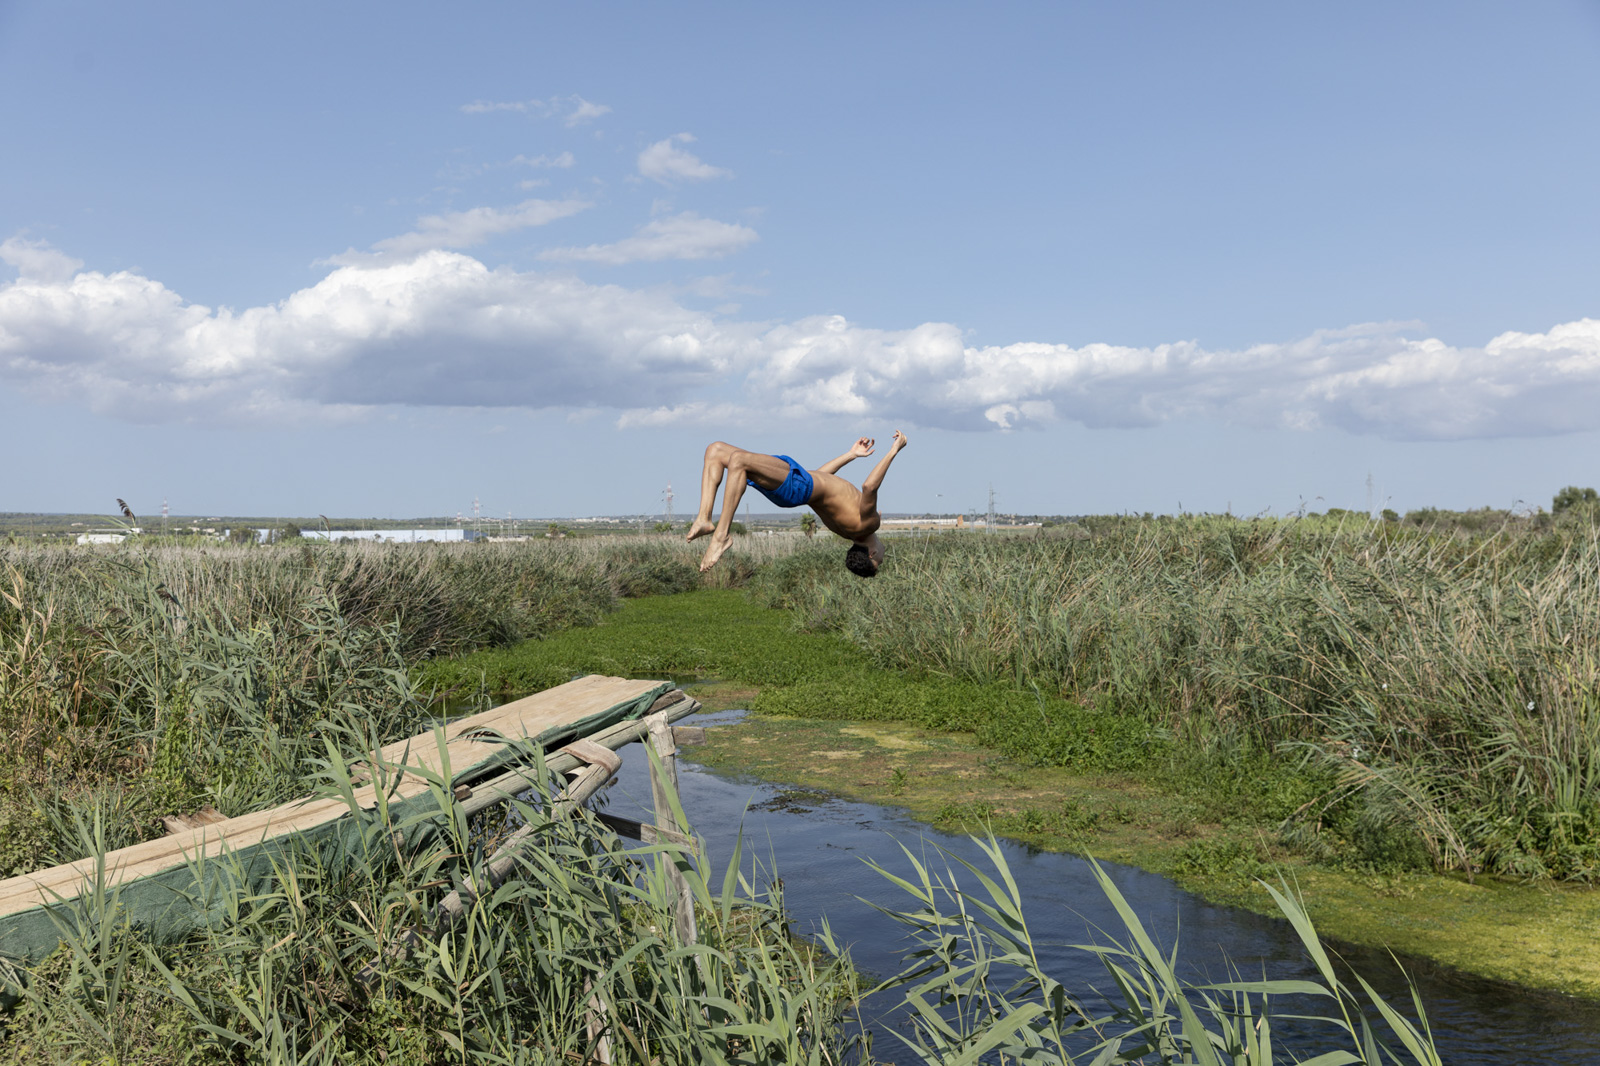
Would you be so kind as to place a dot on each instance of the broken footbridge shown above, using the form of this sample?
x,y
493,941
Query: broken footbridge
x,y
172,883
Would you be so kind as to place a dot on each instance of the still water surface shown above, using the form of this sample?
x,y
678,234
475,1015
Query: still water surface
x,y
817,844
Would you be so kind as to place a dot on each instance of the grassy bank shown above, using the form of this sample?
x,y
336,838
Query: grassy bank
x,y
1544,936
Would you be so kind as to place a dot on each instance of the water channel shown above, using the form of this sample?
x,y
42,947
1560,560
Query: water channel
x,y
818,842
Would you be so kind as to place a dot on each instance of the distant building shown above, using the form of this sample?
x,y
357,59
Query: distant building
x,y
105,536
923,523
388,536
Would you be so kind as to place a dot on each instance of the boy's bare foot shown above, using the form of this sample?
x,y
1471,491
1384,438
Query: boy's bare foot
x,y
699,529
714,550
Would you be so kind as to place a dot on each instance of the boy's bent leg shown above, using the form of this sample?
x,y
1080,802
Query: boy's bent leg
x,y
717,455
742,466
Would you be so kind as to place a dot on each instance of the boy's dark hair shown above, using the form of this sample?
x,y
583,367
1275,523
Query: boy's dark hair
x,y
859,562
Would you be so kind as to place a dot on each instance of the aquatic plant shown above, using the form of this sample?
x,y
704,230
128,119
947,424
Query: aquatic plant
x,y
976,990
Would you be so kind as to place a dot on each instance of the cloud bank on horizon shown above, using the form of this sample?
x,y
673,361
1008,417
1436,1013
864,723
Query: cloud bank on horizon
x,y
437,327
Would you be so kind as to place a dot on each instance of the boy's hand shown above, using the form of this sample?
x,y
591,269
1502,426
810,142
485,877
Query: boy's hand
x,y
863,447
899,440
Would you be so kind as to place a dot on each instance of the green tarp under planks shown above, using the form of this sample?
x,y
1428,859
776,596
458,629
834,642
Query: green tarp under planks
x,y
176,883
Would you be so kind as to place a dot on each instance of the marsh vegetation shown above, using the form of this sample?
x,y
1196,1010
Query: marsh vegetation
x,y
1403,697
1386,695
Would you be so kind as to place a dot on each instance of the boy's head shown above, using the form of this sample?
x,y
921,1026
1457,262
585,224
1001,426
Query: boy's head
x,y
864,558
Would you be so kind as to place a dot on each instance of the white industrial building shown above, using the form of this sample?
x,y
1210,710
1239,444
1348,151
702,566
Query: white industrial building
x,y
106,536
389,536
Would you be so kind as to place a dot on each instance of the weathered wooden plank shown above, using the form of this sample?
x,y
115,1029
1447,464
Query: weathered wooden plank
x,y
178,823
472,741
684,735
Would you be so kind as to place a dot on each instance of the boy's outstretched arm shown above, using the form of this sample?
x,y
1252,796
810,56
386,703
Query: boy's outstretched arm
x,y
861,447
869,487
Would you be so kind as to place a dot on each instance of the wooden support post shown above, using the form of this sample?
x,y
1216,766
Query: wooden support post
x,y
664,772
594,1020
601,765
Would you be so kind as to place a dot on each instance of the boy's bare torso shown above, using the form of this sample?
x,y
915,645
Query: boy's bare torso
x,y
840,506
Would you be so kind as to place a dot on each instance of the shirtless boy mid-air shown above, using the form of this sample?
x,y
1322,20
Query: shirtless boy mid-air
x,y
850,512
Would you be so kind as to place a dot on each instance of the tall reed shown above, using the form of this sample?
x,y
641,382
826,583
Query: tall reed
x,y
1443,688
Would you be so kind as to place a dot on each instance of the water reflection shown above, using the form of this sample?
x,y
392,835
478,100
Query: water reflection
x,y
817,843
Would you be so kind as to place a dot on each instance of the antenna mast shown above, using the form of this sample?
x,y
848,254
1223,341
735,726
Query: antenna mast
x,y
989,518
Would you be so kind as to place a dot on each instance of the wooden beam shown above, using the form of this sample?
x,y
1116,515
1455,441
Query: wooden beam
x,y
519,779
648,834
664,775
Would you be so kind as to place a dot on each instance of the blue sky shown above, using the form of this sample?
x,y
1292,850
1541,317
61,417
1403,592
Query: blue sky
x,y
380,259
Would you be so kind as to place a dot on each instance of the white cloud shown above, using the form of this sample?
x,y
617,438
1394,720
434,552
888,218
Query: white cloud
x,y
584,111
677,414
463,229
1365,379
683,236
720,287
562,161
443,329
665,162
572,110
37,261
439,329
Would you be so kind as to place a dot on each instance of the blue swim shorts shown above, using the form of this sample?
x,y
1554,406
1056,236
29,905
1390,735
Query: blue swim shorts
x,y
794,491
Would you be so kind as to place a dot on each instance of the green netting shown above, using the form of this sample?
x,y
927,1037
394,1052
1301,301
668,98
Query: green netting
x,y
179,899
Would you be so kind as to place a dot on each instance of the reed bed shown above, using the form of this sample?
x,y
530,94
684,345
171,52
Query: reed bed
x,y
1417,698
138,682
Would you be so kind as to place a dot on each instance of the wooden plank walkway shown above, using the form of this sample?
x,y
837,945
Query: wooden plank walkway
x,y
476,741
